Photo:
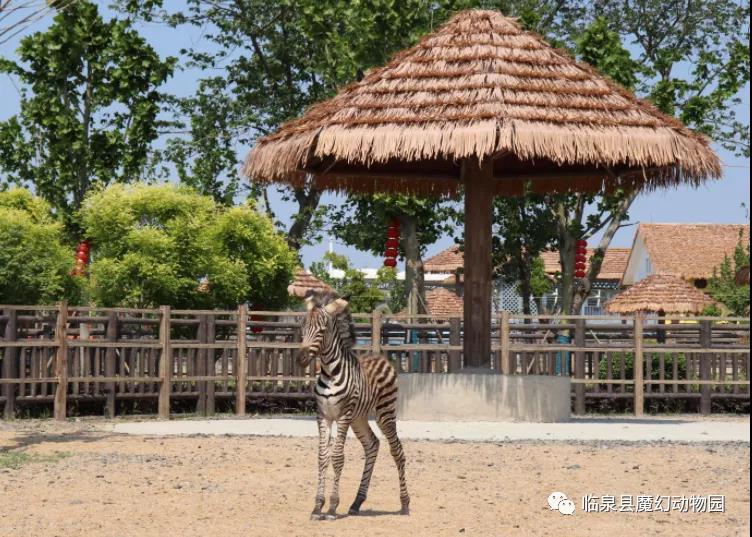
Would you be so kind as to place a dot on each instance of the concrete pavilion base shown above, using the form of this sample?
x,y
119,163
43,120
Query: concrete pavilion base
x,y
483,396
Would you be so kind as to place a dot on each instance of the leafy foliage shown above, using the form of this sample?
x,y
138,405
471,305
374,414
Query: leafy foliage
x,y
162,244
364,296
89,107
723,286
362,220
35,262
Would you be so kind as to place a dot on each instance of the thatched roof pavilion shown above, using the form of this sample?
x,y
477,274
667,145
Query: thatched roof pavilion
x,y
483,105
305,281
660,293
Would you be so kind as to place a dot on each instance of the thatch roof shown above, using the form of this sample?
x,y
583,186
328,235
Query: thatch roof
x,y
660,292
442,302
691,251
481,86
305,281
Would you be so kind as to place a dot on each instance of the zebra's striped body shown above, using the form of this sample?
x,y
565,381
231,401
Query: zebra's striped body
x,y
348,390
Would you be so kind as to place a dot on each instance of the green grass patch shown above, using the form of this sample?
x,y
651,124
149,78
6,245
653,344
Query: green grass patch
x,y
16,459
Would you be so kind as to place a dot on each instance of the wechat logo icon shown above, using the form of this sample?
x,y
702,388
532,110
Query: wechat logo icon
x,y
558,501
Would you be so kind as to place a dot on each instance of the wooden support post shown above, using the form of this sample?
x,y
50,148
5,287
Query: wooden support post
x,y
455,338
706,341
477,177
10,365
376,332
110,365
210,366
638,375
241,363
579,366
165,363
201,366
505,356
61,362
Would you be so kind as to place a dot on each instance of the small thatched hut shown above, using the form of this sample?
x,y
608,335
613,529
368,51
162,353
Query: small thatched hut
x,y
482,105
663,294
305,281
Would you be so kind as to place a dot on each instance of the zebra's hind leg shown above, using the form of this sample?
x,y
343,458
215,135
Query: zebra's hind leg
x,y
325,430
338,462
388,425
371,448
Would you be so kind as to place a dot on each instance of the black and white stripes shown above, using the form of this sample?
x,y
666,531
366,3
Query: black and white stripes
x,y
347,391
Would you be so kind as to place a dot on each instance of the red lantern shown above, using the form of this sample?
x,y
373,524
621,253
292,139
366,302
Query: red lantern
x,y
392,233
580,265
390,252
390,262
581,243
392,243
580,258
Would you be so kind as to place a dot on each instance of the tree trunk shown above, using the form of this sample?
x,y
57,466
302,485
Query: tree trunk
x,y
414,275
574,293
308,201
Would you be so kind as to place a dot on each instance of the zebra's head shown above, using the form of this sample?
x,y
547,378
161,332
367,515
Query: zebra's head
x,y
319,324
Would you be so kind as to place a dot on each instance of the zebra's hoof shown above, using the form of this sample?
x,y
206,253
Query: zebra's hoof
x,y
317,516
405,511
330,516
354,511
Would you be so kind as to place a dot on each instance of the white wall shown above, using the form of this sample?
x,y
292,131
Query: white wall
x,y
639,265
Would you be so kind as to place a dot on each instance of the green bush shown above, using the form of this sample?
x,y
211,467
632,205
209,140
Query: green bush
x,y
35,261
655,366
168,245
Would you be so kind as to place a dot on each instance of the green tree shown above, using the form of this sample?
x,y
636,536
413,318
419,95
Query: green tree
x,y
363,296
162,244
362,222
35,261
275,59
523,227
89,107
723,285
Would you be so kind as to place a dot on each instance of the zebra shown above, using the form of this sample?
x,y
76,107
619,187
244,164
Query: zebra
x,y
348,388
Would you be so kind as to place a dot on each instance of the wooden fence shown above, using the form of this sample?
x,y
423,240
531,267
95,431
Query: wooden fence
x,y
56,354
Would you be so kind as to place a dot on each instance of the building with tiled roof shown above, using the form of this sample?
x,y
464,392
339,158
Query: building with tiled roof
x,y
612,268
305,281
689,251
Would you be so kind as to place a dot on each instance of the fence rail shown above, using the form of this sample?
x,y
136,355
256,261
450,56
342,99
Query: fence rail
x,y
57,354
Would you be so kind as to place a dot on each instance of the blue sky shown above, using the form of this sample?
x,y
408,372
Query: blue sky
x,y
715,202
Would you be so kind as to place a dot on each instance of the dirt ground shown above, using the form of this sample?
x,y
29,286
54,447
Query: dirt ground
x,y
72,480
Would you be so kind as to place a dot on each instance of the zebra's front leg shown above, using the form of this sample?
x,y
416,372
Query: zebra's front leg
x,y
325,432
371,449
338,462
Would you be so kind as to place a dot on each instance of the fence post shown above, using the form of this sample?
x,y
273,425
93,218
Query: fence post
x,y
201,364
455,339
376,332
579,366
165,363
109,363
505,356
706,341
10,366
61,362
241,361
211,366
639,386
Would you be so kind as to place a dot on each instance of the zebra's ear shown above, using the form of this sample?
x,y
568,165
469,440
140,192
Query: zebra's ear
x,y
336,307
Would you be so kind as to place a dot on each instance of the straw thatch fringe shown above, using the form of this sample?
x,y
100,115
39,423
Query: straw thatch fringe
x,y
660,292
479,86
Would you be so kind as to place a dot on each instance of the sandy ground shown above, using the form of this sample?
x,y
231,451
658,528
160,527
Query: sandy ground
x,y
81,481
